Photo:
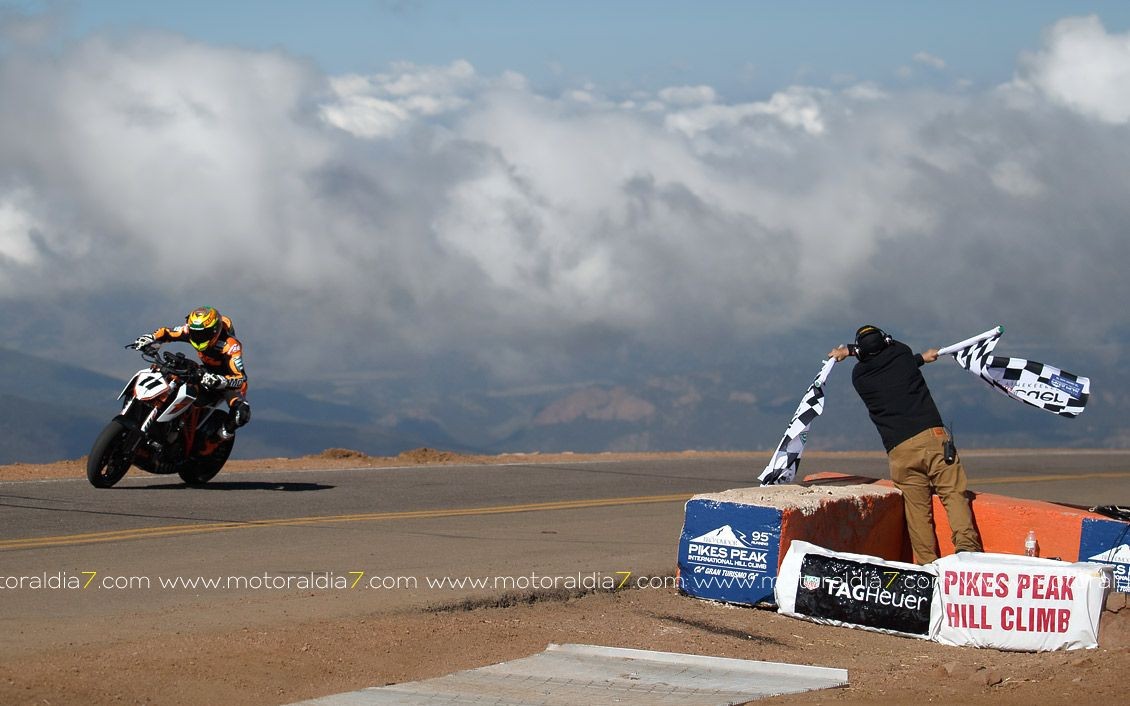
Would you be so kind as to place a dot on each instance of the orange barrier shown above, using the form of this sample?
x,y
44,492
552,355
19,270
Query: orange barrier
x,y
1003,521
869,524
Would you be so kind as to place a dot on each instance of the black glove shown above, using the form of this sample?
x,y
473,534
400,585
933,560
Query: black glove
x,y
213,381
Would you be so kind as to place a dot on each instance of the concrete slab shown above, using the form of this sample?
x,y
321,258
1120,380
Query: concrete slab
x,y
566,675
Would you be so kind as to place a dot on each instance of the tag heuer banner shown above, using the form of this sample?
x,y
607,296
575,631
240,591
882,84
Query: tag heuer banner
x,y
854,590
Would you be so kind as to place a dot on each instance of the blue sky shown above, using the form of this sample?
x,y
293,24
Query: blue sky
x,y
746,49
517,194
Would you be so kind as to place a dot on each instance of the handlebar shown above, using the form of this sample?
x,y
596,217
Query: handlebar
x,y
169,363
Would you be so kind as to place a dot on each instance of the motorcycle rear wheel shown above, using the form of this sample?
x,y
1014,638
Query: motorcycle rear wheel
x,y
201,470
108,460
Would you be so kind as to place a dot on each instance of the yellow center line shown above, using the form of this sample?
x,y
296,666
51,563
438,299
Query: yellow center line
x,y
201,528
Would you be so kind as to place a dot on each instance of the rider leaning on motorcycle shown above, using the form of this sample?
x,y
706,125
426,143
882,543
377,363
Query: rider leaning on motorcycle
x,y
213,337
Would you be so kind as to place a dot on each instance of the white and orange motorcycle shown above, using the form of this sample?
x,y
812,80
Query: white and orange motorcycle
x,y
168,424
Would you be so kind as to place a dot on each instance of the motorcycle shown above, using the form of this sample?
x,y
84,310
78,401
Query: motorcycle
x,y
168,424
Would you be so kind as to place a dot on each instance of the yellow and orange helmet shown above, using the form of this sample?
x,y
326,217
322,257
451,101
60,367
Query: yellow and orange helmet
x,y
204,324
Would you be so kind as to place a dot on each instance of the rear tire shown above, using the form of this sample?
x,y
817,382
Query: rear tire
x,y
201,470
108,460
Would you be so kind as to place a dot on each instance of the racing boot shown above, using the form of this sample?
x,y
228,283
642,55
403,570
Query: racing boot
x,y
238,415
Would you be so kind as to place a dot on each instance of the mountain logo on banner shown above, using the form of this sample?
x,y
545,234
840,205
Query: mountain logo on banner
x,y
723,536
1119,555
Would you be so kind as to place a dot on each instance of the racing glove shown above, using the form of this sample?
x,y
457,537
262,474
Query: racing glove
x,y
143,342
213,381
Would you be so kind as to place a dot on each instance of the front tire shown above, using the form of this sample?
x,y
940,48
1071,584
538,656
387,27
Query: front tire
x,y
109,457
200,470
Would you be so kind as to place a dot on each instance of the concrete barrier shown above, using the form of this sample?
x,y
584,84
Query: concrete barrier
x,y
733,542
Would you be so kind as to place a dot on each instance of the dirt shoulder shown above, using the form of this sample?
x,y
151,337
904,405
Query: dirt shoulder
x,y
424,456
346,458
294,661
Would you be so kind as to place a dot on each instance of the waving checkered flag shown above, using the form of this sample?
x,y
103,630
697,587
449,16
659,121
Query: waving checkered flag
x,y
1038,384
976,353
783,466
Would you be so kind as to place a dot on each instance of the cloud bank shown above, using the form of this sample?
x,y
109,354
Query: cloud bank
x,y
431,213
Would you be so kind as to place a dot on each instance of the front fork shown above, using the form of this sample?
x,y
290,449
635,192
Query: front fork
x,y
143,431
135,435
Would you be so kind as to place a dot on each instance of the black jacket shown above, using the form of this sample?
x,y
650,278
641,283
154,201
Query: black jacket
x,y
896,395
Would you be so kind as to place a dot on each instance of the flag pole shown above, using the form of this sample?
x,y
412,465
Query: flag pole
x,y
970,341
826,368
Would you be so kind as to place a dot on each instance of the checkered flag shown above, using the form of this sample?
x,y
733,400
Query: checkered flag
x,y
783,466
1038,384
976,353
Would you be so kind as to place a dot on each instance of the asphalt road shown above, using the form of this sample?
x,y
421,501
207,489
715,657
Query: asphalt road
x,y
98,564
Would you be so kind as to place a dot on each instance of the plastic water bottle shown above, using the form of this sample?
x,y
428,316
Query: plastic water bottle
x,y
1031,547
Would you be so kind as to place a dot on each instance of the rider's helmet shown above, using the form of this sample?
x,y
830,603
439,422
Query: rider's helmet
x,y
204,324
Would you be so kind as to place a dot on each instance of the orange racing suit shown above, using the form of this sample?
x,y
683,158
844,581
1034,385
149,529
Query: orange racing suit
x,y
224,357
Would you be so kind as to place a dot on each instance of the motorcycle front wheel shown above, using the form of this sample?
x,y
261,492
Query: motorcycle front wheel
x,y
200,470
109,457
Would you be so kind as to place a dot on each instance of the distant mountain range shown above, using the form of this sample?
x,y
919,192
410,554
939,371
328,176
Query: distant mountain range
x,y
51,411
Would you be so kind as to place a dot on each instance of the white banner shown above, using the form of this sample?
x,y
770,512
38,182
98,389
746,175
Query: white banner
x,y
1020,603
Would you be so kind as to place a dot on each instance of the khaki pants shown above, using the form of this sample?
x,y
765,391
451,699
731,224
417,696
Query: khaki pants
x,y
918,469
